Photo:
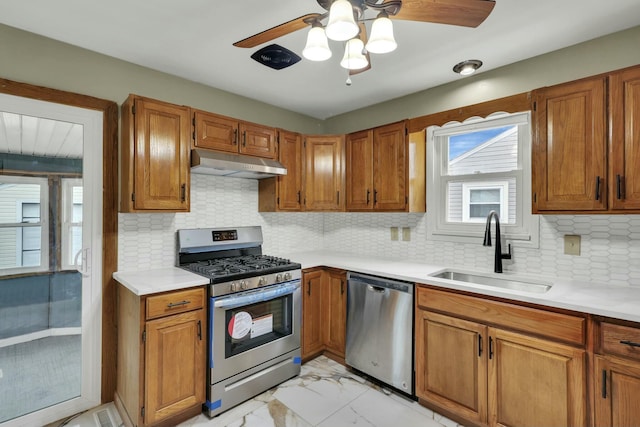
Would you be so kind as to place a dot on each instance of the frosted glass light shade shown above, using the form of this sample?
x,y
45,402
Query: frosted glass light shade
x,y
317,48
353,58
341,26
381,39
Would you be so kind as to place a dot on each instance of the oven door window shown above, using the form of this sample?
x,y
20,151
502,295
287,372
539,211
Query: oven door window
x,y
251,326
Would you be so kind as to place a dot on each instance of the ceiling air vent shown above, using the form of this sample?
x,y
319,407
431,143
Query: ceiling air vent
x,y
276,57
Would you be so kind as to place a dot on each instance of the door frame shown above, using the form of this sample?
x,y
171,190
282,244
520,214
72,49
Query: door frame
x,y
109,111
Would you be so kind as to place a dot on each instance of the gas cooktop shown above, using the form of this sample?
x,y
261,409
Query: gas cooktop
x,y
240,267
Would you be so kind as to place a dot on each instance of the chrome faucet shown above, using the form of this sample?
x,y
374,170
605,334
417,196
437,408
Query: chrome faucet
x,y
499,256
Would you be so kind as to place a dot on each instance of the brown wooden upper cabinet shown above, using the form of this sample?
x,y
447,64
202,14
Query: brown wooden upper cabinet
x,y
155,156
284,193
323,173
624,105
569,148
585,156
221,133
377,170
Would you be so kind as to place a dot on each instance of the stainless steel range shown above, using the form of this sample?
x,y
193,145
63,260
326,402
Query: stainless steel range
x,y
254,312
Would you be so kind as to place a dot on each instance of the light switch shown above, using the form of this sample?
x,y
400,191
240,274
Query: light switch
x,y
406,234
571,244
394,233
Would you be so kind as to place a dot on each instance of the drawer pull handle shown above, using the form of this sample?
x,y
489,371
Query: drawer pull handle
x,y
631,343
178,304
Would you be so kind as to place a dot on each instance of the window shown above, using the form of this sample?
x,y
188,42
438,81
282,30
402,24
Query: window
x,y
23,224
478,199
71,235
476,167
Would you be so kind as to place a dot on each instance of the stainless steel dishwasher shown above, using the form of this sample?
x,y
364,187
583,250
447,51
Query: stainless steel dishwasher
x,y
380,329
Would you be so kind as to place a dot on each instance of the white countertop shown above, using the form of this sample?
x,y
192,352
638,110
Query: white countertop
x,y
145,282
593,298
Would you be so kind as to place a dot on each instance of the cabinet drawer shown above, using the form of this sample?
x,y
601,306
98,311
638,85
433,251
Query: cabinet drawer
x,y
556,326
174,302
620,340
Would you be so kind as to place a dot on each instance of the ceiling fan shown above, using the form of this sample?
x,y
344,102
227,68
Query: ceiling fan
x,y
466,13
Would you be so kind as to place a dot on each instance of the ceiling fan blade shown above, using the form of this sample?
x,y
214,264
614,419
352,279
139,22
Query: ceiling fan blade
x,y
363,36
465,13
278,31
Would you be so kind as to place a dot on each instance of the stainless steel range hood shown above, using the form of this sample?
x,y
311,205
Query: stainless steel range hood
x,y
234,165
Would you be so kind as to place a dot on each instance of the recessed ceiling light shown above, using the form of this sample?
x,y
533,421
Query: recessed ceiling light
x,y
467,67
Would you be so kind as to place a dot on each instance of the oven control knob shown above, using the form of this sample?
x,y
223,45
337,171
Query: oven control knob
x,y
243,285
287,276
262,281
278,278
234,286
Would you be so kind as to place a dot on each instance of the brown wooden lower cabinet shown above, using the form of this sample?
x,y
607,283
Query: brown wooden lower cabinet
x,y
324,310
161,374
312,339
617,374
488,374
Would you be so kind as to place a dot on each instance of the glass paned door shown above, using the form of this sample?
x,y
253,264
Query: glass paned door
x,y
50,279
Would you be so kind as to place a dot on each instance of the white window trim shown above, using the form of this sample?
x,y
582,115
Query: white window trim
x,y
525,232
43,224
502,186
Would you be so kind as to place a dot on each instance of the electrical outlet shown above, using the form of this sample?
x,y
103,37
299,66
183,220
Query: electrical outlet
x,y
394,233
571,244
406,234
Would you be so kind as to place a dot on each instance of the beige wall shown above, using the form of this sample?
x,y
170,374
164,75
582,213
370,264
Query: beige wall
x,y
607,53
29,58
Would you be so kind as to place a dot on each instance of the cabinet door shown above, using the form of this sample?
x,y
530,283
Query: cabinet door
x,y
162,168
359,170
289,186
216,132
312,339
335,311
624,102
617,390
569,148
323,173
451,364
258,140
175,371
390,168
534,382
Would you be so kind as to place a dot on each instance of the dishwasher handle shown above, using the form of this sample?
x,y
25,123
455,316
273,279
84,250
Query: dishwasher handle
x,y
379,284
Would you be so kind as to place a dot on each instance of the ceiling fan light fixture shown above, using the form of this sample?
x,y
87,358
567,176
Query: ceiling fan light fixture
x,y
354,58
317,47
342,24
381,39
467,67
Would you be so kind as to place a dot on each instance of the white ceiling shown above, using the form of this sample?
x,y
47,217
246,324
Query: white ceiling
x,y
193,39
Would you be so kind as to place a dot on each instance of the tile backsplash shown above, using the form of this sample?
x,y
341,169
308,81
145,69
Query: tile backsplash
x,y
610,244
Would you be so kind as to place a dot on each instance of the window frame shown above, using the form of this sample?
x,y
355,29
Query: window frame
x,y
43,182
525,231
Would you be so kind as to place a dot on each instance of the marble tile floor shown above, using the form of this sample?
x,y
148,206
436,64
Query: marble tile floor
x,y
325,394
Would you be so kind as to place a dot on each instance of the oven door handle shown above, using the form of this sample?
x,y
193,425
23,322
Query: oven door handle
x,y
257,295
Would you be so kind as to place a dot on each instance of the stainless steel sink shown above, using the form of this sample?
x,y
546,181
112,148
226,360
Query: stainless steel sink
x,y
496,282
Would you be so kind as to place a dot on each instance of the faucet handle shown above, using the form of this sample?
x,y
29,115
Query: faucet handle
x,y
508,254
